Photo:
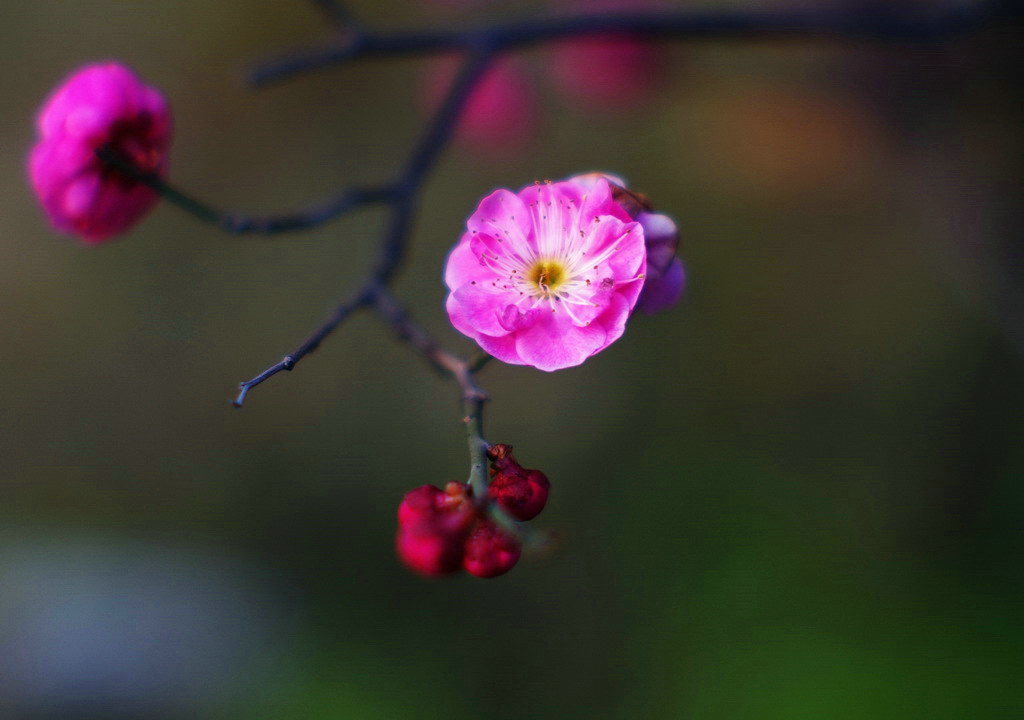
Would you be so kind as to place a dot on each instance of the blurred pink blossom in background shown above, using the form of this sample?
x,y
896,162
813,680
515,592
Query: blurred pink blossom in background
x,y
501,117
609,72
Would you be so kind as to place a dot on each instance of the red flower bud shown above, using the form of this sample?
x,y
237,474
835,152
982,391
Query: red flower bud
x,y
432,527
521,492
440,531
490,551
428,553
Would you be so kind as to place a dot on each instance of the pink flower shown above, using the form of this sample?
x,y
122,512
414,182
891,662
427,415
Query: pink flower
x,y
547,276
500,117
613,71
101,105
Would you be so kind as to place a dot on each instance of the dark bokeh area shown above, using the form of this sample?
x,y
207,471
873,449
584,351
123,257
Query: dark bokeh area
x,y
798,494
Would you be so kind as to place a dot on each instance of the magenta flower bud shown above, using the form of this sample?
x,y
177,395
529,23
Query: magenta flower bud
x,y
666,277
100,106
613,71
547,276
490,551
500,117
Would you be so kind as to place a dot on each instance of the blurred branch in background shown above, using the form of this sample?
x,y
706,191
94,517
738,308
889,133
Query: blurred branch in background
x,y
337,12
882,22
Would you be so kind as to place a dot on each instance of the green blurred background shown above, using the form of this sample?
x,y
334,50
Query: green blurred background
x,y
796,495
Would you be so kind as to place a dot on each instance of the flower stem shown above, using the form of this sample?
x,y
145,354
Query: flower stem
x,y
474,420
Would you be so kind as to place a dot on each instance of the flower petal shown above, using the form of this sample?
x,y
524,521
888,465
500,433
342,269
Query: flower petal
x,y
480,310
552,342
462,266
503,348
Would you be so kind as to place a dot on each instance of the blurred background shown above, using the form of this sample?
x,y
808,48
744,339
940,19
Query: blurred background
x,y
798,494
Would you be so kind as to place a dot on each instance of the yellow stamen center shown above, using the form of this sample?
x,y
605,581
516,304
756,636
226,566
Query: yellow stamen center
x,y
546,276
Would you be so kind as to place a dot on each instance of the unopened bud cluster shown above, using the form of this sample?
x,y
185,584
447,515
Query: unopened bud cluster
x,y
443,531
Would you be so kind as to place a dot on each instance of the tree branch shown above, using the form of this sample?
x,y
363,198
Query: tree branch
x,y
374,290
237,224
336,12
445,362
473,397
881,23
340,314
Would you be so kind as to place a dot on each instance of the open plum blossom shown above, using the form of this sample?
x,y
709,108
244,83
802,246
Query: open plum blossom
x,y
547,276
100,106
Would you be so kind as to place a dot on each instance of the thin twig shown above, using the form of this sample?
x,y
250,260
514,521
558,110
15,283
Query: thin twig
x,y
402,204
341,312
479,361
444,361
237,224
474,420
454,366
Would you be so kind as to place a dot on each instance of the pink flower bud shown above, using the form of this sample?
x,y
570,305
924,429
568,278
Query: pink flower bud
x,y
432,527
500,117
521,492
614,71
490,551
100,106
